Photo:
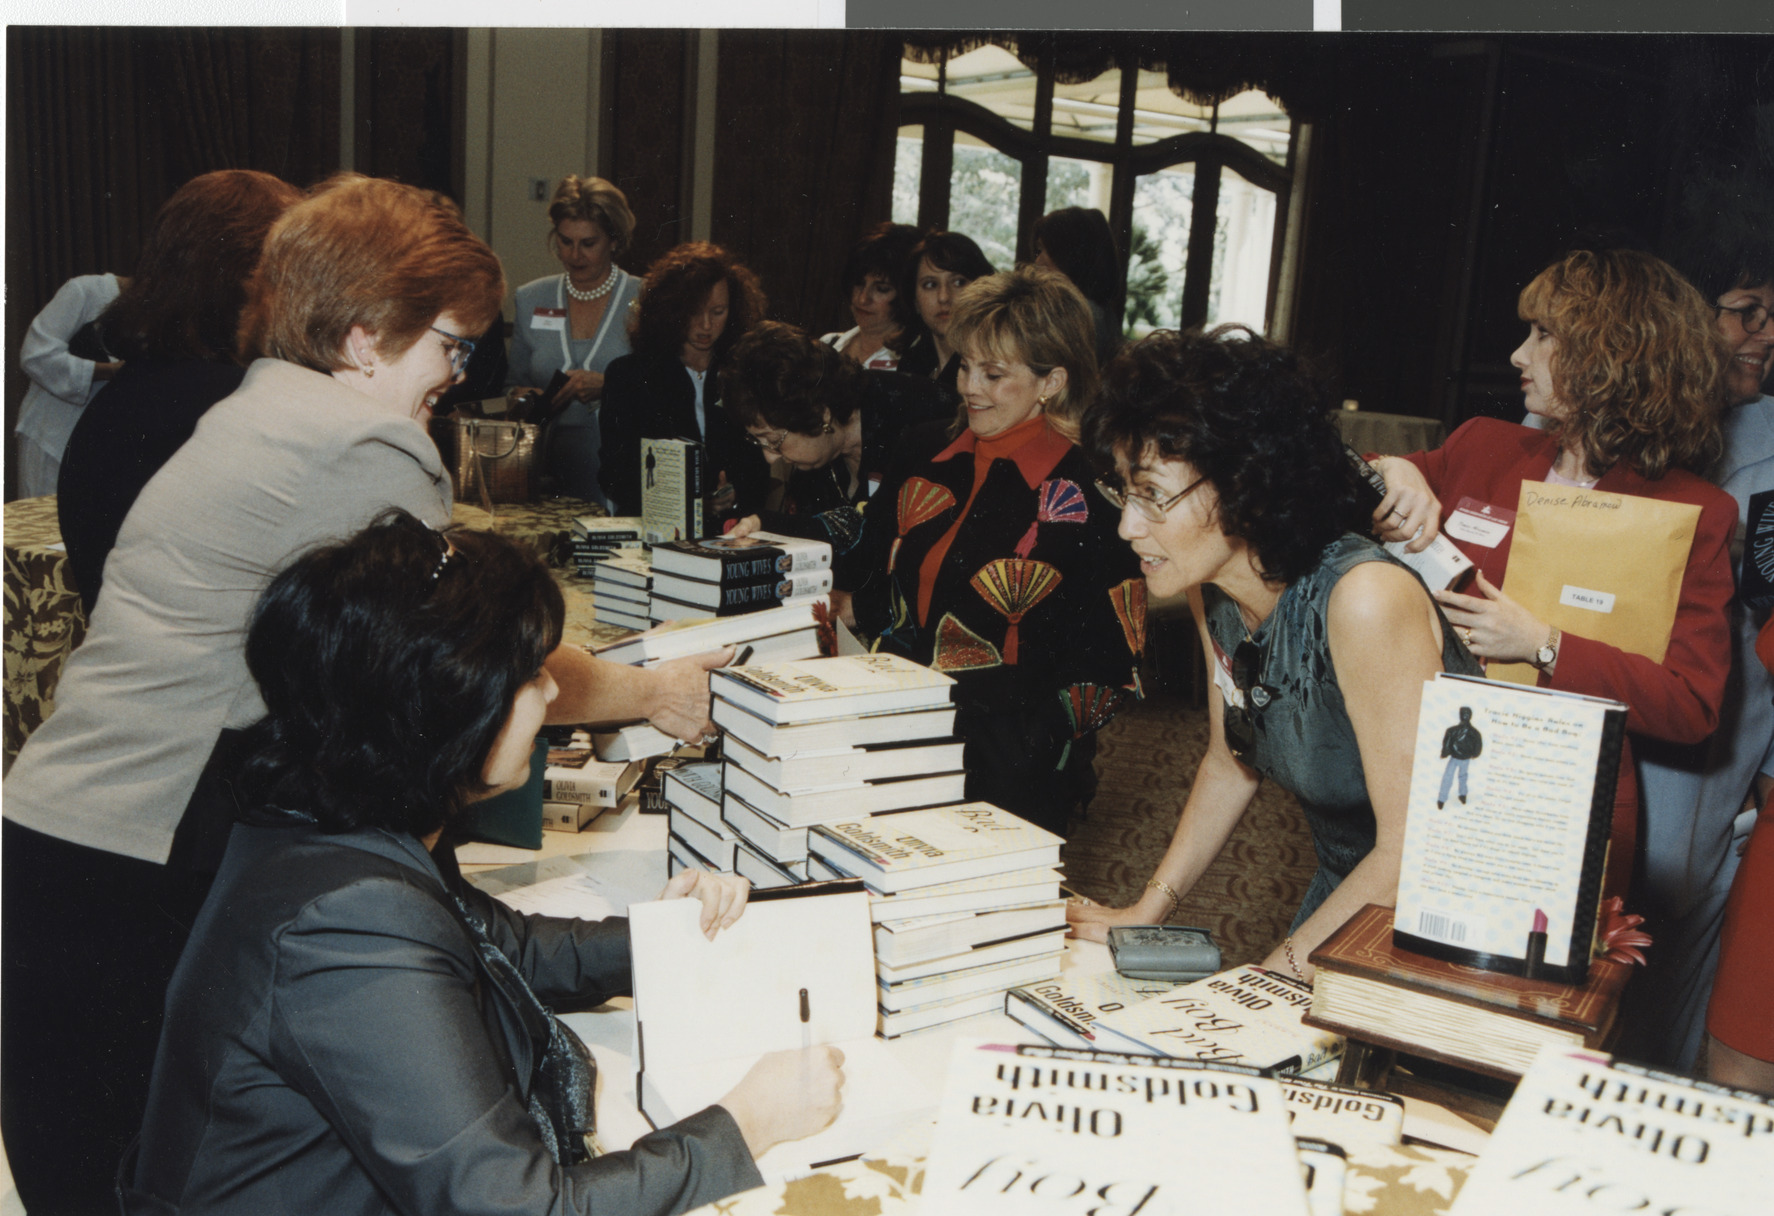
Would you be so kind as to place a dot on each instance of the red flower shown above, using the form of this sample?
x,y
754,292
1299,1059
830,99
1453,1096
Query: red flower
x,y
1621,935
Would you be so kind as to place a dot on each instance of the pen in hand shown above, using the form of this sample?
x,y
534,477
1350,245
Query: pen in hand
x,y
806,1034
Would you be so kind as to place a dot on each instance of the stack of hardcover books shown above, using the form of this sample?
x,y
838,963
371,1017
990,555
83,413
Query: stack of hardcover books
x,y
1369,988
723,576
825,739
965,901
698,839
595,539
620,586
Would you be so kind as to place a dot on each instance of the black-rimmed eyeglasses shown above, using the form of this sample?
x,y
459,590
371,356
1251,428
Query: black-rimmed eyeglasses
x,y
1751,316
1121,498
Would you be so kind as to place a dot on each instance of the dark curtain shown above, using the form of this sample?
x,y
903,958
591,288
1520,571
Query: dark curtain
x,y
804,159
646,134
1202,68
103,124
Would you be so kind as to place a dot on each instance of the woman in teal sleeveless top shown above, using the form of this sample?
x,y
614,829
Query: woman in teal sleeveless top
x,y
1236,490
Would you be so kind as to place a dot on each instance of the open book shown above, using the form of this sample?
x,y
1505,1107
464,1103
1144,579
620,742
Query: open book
x,y
706,1011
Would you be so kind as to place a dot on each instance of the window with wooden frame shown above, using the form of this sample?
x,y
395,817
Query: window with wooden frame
x,y
1198,197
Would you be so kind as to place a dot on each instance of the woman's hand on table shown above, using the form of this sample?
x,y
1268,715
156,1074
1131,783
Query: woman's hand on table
x,y
787,1095
723,897
745,527
679,701
1492,625
844,607
1091,922
581,385
1410,511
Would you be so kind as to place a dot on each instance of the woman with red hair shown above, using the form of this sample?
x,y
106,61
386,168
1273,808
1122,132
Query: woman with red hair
x,y
118,808
1625,364
698,300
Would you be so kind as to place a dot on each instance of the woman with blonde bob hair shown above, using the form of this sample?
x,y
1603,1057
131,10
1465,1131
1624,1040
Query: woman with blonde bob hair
x,y
1624,364
576,322
123,800
987,559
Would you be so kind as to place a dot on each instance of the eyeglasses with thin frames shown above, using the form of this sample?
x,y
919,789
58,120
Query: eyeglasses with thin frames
x,y
1751,316
1120,498
460,350
769,445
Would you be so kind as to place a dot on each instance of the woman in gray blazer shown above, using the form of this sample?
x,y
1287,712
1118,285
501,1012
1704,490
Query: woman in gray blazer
x,y
352,1027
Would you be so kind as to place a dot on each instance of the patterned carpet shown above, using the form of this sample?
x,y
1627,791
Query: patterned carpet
x,y
1145,763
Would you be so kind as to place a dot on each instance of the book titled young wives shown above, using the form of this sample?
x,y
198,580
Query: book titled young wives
x,y
1371,989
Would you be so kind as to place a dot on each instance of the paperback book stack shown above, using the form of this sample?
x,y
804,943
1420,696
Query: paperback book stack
x,y
965,901
620,586
1246,1016
724,576
595,539
824,739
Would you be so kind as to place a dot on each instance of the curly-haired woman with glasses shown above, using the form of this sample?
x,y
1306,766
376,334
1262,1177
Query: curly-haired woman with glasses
x,y
1234,488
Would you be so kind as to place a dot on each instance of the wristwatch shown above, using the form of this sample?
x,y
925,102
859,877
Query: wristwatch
x,y
1547,655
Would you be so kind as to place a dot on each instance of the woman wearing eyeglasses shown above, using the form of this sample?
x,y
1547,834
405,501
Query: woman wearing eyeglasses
x,y
986,557
830,422
119,806
1235,489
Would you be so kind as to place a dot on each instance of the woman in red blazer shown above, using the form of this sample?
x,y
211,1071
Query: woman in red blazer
x,y
1624,364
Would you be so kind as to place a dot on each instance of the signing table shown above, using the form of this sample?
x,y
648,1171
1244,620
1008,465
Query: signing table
x,y
624,852
45,622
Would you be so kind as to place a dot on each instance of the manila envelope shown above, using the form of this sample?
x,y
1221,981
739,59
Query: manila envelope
x,y
1599,565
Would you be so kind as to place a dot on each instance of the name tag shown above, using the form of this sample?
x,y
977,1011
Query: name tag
x,y
554,319
1479,523
1581,597
1222,679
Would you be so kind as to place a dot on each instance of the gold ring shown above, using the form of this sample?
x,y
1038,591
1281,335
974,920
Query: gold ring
x,y
1466,635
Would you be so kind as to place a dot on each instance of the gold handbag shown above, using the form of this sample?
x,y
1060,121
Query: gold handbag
x,y
489,460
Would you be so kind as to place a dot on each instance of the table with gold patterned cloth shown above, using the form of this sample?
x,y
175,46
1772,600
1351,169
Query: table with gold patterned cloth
x,y
44,619
1395,1180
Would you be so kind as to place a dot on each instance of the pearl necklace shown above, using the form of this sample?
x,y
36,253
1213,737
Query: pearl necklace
x,y
596,293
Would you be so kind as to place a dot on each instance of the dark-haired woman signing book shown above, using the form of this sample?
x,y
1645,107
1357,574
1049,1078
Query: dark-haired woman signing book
x,y
353,1028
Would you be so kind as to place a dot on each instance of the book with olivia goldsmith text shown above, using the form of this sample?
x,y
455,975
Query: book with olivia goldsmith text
x,y
1246,1015
918,848
816,690
1584,1135
1056,1132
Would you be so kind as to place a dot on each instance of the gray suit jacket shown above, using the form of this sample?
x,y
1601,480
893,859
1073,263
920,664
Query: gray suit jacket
x,y
329,1047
